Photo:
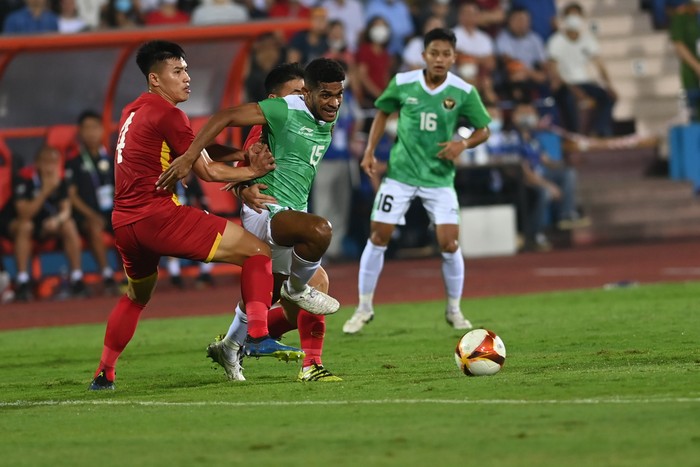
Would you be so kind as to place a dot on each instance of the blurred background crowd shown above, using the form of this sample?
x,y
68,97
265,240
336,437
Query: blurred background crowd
x,y
536,64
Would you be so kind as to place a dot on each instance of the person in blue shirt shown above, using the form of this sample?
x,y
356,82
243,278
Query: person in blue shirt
x,y
34,18
547,181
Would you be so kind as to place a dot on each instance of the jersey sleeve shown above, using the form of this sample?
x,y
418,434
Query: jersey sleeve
x,y
175,127
276,111
390,100
473,110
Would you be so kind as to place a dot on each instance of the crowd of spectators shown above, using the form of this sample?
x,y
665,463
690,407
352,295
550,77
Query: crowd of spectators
x,y
514,52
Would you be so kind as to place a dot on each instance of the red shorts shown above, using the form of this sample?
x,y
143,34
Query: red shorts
x,y
182,231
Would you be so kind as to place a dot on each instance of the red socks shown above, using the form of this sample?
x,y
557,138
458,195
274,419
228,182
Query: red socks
x,y
277,323
312,329
121,326
256,289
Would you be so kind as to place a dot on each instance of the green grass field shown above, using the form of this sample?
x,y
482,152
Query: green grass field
x,y
592,378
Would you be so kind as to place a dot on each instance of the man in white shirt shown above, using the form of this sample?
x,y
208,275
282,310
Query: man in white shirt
x,y
571,52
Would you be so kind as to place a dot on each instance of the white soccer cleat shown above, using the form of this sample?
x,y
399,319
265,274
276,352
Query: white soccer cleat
x,y
312,300
227,357
457,320
358,321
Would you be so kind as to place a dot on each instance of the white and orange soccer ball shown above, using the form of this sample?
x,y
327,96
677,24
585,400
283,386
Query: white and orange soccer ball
x,y
480,353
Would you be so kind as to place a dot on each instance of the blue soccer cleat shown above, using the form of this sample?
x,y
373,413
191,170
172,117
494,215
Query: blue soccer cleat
x,y
101,383
268,347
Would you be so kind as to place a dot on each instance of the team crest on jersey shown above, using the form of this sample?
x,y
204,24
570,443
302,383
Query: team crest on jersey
x,y
449,103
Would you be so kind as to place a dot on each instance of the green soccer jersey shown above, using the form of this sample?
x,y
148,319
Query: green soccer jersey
x,y
428,117
298,141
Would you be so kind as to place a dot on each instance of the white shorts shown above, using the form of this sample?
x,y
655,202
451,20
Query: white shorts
x,y
259,225
394,198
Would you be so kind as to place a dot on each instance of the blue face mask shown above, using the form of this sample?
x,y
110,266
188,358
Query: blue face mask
x,y
495,126
122,6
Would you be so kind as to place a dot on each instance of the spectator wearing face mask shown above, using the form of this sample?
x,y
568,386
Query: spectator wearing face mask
x,y
572,51
373,61
121,14
398,18
352,14
547,181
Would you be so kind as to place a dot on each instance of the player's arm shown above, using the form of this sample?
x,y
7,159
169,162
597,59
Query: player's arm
x,y
261,162
242,115
369,161
222,153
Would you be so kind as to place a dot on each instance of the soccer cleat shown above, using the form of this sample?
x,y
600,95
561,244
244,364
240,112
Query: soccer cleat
x,y
78,289
24,292
317,373
228,358
204,280
457,320
358,321
311,300
268,347
101,383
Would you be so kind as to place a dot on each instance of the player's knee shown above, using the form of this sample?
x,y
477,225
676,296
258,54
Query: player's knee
x,y
25,227
322,232
449,246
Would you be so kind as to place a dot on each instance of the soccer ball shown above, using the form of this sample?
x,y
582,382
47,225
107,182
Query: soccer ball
x,y
480,353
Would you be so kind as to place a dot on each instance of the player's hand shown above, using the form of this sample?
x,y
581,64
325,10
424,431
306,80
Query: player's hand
x,y
260,158
254,198
369,163
178,170
554,191
450,150
49,182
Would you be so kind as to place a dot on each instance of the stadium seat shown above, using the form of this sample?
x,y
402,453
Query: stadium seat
x,y
196,123
63,138
223,203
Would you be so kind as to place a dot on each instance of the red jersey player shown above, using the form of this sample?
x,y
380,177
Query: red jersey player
x,y
150,223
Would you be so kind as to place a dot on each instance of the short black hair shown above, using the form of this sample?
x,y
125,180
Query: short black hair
x,y
323,70
155,52
440,34
281,74
85,114
573,7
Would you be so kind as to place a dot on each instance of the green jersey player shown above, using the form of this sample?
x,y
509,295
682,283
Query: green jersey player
x,y
421,164
298,130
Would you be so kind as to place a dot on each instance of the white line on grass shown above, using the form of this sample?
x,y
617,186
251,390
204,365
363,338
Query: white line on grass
x,y
659,400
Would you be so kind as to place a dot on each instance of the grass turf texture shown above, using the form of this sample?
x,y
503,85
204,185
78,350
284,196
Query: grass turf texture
x,y
592,378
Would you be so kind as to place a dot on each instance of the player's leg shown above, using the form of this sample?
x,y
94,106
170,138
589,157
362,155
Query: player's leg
x,y
68,231
93,228
141,269
443,209
309,236
237,246
390,205
22,232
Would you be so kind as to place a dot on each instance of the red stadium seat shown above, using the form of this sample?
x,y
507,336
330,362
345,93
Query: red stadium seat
x,y
63,138
5,174
197,123
223,203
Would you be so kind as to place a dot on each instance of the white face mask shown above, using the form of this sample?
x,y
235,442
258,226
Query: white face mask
x,y
379,34
527,122
573,23
468,70
496,125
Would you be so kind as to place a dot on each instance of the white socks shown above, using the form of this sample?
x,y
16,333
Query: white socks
x,y
453,276
371,265
238,330
301,273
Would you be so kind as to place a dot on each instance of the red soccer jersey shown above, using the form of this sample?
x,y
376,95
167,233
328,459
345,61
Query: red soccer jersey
x,y
152,132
